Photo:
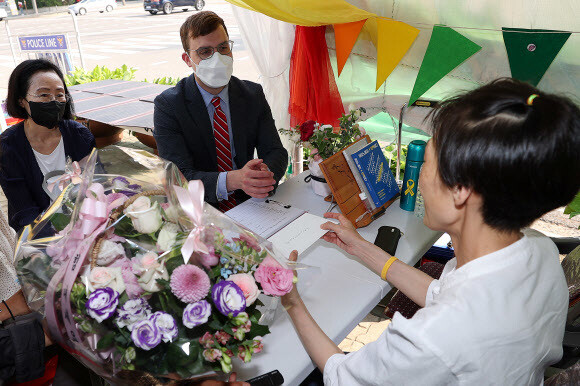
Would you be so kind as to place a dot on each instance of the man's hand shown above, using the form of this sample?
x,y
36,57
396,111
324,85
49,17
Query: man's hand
x,y
254,179
344,234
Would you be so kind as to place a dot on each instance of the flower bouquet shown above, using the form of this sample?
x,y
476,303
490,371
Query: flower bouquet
x,y
323,141
145,280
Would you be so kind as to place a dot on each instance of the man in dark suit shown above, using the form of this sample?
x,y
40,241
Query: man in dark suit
x,y
211,123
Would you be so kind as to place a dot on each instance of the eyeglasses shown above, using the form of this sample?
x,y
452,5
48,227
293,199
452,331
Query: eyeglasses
x,y
224,48
47,97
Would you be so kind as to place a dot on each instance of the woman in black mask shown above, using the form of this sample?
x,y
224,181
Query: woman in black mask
x,y
42,143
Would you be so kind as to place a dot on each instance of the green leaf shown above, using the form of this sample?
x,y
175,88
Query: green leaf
x,y
60,221
106,341
197,366
174,356
123,339
259,330
173,262
573,208
228,329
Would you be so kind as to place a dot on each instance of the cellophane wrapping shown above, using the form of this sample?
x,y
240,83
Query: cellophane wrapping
x,y
142,279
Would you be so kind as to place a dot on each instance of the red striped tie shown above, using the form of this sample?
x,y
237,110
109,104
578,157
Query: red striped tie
x,y
222,144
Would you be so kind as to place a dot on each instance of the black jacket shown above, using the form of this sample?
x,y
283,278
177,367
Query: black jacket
x,y
20,175
184,133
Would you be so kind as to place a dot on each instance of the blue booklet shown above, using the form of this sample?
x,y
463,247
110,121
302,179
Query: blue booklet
x,y
374,170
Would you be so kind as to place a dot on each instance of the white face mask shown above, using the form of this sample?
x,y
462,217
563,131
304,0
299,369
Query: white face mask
x,y
216,71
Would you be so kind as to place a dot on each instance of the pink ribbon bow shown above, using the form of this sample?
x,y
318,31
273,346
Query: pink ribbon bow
x,y
71,177
191,201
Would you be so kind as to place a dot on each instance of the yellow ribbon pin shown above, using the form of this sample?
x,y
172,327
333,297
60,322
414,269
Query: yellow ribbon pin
x,y
410,186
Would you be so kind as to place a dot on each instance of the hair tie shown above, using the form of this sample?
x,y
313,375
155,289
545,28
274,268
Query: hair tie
x,y
531,98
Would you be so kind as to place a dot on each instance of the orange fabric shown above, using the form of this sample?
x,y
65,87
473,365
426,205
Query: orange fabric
x,y
313,91
346,36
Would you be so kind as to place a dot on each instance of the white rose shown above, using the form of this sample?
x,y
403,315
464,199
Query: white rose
x,y
172,213
351,107
325,126
101,277
149,269
146,218
167,236
109,252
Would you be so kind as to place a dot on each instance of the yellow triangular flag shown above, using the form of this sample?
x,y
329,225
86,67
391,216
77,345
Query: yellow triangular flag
x,y
345,36
394,40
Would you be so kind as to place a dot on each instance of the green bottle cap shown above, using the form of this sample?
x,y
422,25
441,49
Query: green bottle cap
x,y
416,151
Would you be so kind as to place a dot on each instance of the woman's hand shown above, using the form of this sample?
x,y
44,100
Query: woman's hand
x,y
292,297
344,234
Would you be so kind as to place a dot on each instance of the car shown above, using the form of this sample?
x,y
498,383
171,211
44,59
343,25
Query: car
x,y
167,6
3,13
84,6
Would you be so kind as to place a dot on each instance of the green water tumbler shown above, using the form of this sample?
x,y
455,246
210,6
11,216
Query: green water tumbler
x,y
415,158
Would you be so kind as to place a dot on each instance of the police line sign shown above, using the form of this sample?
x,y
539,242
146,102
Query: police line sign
x,y
45,43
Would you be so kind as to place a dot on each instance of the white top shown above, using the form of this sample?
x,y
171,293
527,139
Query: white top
x,y
496,320
8,281
53,161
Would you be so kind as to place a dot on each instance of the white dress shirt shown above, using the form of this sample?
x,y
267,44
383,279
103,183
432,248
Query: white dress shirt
x,y
497,320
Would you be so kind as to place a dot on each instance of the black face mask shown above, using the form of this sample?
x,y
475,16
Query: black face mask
x,y
47,114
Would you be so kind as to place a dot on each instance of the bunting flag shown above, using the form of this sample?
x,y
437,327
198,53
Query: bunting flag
x,y
345,36
394,40
531,51
447,49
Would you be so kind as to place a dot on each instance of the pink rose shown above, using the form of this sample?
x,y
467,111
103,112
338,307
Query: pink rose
x,y
248,286
274,279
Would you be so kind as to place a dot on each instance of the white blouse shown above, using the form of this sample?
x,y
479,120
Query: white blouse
x,y
496,320
8,280
53,161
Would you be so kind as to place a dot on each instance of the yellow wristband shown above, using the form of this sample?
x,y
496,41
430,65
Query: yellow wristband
x,y
387,266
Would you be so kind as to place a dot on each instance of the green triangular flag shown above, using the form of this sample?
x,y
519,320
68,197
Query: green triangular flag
x,y
531,51
447,49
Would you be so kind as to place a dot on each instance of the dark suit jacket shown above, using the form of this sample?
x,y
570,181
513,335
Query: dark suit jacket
x,y
21,177
184,133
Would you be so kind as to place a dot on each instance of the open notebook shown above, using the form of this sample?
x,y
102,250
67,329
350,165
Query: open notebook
x,y
286,227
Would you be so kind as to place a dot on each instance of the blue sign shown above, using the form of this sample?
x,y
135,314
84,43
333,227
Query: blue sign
x,y
43,43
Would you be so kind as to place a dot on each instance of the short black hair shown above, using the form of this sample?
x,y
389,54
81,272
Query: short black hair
x,y
19,83
523,159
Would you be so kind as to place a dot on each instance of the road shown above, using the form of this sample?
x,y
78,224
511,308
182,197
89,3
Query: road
x,y
127,35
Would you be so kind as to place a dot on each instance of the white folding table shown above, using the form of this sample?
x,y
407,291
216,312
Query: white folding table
x,y
340,294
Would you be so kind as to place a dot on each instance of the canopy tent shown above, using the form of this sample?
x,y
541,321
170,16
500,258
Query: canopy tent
x,y
268,28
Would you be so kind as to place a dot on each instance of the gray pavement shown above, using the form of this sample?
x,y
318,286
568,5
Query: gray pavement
x,y
127,35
